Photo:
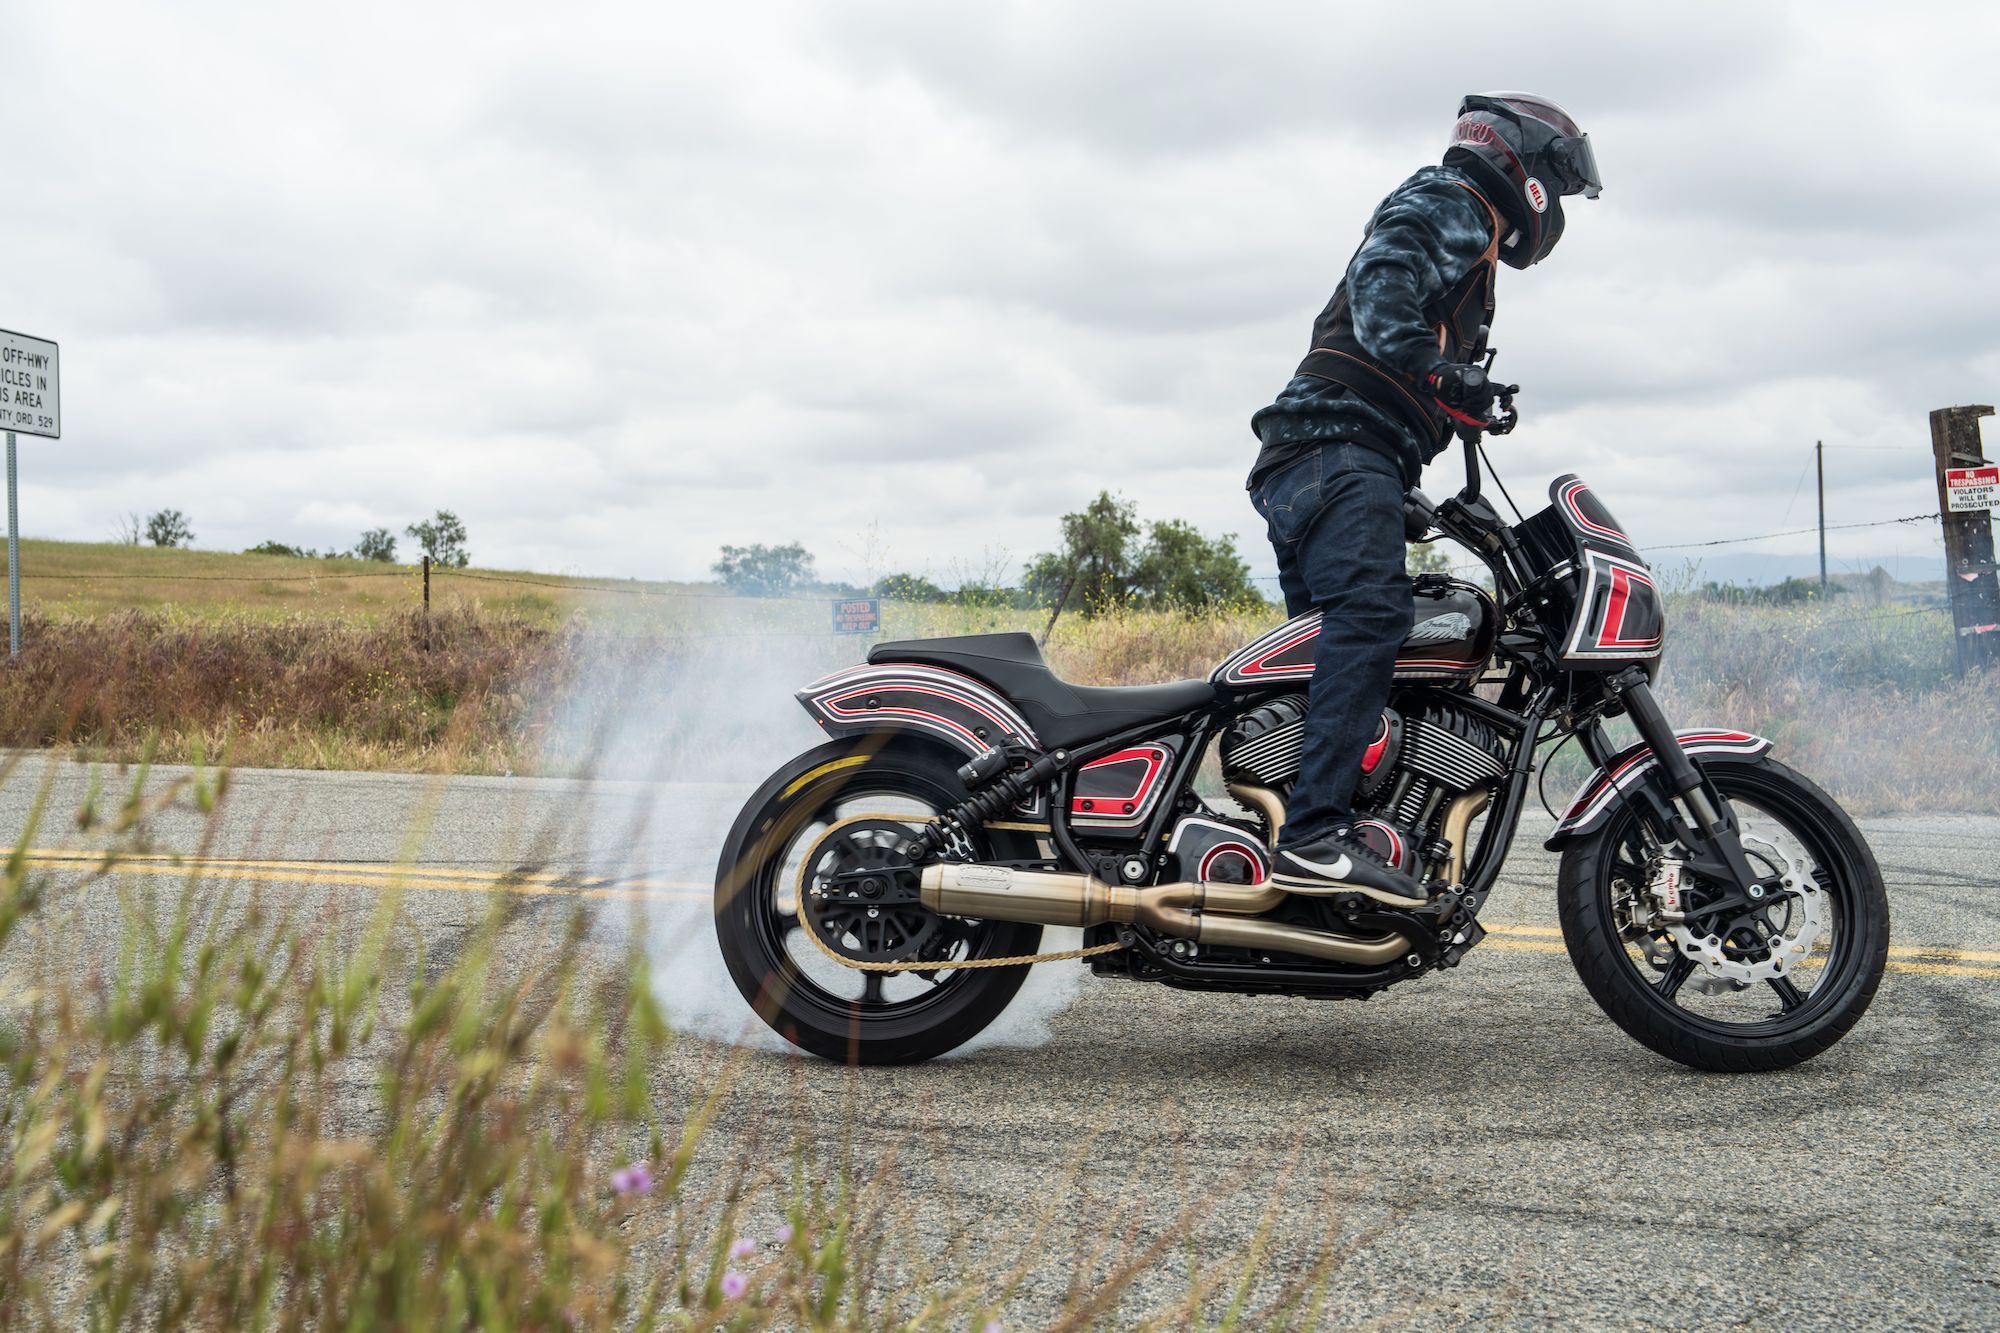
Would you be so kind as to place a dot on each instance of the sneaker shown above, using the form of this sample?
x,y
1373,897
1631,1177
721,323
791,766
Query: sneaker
x,y
1335,864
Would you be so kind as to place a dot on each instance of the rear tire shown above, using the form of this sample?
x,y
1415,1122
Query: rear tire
x,y
844,1014
1650,998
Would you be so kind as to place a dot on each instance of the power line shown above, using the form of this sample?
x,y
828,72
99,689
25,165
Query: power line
x,y
1794,532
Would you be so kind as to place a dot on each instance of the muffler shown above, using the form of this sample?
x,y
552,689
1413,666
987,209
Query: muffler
x,y
1208,913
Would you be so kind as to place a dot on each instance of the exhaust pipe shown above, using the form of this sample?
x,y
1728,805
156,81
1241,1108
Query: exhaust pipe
x,y
1188,909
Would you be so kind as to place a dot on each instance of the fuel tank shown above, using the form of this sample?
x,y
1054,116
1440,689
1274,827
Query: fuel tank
x,y
1450,640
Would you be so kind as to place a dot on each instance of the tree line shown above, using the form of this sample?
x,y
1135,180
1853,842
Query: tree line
x,y
1108,559
442,537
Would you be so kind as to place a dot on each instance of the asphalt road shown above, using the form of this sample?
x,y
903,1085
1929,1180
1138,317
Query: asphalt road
x,y
1489,1146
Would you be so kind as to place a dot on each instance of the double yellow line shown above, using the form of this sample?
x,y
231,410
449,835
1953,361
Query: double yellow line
x,y
375,875
1918,961
1935,961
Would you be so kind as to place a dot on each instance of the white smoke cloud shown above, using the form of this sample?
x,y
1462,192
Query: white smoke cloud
x,y
700,726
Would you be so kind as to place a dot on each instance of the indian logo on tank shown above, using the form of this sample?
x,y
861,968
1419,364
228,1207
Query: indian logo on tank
x,y
1447,628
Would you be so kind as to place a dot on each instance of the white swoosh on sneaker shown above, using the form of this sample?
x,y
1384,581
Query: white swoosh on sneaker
x,y
1339,870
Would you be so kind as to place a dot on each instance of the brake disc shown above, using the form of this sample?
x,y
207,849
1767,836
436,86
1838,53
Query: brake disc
x,y
1788,943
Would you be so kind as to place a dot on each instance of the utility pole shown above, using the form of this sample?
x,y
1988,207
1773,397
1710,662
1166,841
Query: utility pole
x,y
1968,541
1819,452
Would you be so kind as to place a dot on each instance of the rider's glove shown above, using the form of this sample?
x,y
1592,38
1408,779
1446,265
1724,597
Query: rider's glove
x,y
1463,387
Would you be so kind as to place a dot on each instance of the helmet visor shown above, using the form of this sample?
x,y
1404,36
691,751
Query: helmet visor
x,y
1575,165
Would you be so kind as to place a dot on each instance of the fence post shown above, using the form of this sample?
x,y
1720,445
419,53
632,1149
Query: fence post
x,y
427,586
1969,571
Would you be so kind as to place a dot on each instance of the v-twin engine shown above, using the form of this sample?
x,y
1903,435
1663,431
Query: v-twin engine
x,y
1424,755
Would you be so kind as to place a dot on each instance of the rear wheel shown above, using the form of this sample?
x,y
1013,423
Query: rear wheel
x,y
822,848
1734,991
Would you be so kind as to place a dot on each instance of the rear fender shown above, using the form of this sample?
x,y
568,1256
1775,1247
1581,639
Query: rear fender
x,y
966,714
1604,789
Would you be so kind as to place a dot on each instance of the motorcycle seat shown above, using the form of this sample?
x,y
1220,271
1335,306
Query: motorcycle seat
x,y
1062,714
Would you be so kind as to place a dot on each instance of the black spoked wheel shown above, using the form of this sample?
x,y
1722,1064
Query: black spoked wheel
x,y
823,847
1733,991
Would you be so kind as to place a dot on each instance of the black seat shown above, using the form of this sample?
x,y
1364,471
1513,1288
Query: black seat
x,y
1062,714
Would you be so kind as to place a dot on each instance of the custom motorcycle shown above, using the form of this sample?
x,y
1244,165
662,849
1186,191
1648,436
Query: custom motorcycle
x,y
880,898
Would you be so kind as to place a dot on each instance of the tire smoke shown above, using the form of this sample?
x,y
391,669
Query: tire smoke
x,y
686,737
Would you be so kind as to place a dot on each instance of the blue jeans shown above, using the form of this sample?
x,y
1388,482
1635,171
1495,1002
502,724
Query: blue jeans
x,y
1336,521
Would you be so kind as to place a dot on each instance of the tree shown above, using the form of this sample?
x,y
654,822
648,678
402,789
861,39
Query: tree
x,y
169,528
279,548
1427,559
376,544
908,588
1175,567
442,538
764,571
1178,569
131,530
1096,542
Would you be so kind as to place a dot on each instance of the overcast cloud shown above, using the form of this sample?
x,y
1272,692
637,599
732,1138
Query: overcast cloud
x,y
622,283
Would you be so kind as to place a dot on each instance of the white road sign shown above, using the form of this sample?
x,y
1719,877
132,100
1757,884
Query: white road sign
x,y
1967,488
30,400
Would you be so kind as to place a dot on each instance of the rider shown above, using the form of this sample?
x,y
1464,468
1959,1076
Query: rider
x,y
1389,379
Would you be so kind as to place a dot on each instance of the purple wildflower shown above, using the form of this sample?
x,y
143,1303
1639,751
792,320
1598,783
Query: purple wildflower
x,y
784,1236
733,1285
743,1248
634,1179
993,1326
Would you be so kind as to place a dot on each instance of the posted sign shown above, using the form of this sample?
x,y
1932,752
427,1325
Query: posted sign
x,y
30,399
857,615
1968,488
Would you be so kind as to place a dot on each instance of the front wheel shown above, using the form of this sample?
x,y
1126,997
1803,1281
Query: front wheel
x,y
821,847
1733,992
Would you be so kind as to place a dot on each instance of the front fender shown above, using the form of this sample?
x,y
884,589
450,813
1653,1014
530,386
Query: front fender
x,y
1602,790
966,714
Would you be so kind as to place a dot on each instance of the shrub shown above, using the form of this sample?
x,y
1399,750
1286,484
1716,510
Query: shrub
x,y
169,527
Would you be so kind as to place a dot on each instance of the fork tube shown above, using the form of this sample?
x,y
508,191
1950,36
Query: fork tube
x,y
1683,778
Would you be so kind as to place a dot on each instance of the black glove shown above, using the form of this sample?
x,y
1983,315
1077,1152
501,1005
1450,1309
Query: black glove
x,y
1463,387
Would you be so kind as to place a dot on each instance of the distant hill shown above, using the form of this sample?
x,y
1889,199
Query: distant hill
x,y
1753,569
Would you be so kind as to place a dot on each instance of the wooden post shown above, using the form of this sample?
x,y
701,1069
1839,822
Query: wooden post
x,y
427,585
1968,542
1062,599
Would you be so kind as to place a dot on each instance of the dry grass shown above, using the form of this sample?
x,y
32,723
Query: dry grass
x,y
284,691
1864,700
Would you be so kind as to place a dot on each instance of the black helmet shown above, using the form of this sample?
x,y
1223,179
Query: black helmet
x,y
1525,153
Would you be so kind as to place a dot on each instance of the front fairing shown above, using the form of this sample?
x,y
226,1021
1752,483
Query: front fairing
x,y
1593,578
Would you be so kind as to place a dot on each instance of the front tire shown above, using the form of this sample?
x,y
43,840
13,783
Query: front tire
x,y
853,1016
1764,1004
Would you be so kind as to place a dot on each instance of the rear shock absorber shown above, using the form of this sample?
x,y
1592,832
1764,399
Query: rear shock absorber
x,y
991,796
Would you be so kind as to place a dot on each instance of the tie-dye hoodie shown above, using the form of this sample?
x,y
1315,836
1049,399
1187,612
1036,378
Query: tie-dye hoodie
x,y
1423,238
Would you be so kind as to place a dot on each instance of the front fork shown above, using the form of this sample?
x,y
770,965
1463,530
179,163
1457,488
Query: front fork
x,y
1679,803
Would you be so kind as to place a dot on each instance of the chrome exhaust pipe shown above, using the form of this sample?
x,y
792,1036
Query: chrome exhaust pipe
x,y
1207,913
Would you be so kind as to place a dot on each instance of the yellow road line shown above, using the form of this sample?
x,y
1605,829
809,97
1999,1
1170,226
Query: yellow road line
x,y
377,875
1916,961
482,878
1936,962
1921,953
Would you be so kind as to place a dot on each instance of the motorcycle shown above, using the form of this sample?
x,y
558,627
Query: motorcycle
x,y
880,898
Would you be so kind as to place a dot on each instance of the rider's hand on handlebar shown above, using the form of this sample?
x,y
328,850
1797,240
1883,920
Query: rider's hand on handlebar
x,y
1467,395
1466,388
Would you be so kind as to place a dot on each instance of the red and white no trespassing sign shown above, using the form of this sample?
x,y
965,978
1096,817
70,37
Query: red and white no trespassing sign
x,y
1972,488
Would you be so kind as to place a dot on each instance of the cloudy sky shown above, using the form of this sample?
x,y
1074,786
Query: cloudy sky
x,y
906,279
